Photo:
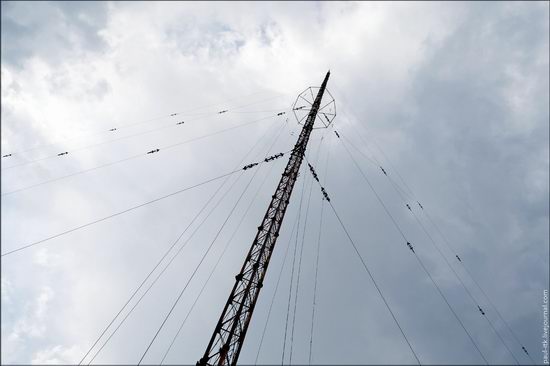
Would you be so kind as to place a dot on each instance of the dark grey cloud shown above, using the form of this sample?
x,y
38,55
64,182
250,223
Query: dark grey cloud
x,y
51,31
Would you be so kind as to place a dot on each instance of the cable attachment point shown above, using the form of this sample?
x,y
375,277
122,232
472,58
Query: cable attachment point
x,y
6,156
153,151
481,310
63,153
383,171
410,247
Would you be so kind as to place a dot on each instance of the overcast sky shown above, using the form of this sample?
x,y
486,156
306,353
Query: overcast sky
x,y
451,96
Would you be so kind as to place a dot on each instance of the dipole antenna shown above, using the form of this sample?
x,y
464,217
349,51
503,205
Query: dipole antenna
x,y
228,338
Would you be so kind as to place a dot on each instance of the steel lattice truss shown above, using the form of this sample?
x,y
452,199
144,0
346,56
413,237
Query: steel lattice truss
x,y
226,342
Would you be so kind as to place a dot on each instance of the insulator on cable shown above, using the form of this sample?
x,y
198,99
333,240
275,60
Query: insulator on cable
x,y
481,310
249,166
7,155
63,153
180,123
220,112
419,205
524,350
457,257
383,171
409,207
337,135
280,113
112,129
173,114
410,247
153,151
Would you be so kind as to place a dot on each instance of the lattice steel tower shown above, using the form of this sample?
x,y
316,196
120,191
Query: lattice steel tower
x,y
227,341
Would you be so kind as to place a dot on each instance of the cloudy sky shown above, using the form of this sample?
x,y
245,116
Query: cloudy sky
x,y
450,97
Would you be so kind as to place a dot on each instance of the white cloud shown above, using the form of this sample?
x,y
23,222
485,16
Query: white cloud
x,y
56,355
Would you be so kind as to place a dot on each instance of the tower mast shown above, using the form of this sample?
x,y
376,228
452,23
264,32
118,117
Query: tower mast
x,y
228,338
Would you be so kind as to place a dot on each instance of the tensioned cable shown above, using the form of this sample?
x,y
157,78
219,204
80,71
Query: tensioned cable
x,y
276,289
416,255
217,262
122,212
292,272
373,281
447,243
170,249
162,148
197,267
474,301
118,127
314,301
301,252
119,213
285,108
